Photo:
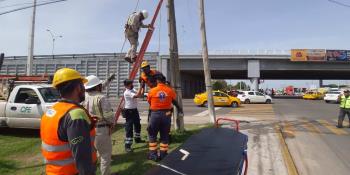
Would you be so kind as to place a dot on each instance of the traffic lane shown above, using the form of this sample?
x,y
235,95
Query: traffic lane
x,y
299,108
316,145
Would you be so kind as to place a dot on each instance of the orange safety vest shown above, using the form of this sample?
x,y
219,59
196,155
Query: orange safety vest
x,y
161,97
57,154
145,78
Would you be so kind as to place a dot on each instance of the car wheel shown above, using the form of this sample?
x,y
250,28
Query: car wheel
x,y
247,101
327,101
234,104
268,101
205,104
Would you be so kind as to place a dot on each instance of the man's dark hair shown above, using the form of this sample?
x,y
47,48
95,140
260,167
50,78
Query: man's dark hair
x,y
65,89
127,82
160,77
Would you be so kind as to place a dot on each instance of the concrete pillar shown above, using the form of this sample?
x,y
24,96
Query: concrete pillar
x,y
255,84
320,83
254,73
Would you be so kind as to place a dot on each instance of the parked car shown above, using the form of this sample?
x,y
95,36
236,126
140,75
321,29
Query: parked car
x,y
254,97
220,99
332,96
313,96
26,104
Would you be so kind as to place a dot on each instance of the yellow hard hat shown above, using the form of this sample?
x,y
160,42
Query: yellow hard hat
x,y
144,64
66,74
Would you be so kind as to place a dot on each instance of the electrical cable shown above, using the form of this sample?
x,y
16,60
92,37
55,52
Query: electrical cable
x,y
20,4
339,3
137,5
27,7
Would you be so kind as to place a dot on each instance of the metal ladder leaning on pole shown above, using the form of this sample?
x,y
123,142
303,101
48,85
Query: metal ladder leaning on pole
x,y
139,59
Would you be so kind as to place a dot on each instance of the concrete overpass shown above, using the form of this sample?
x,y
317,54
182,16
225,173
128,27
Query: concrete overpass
x,y
254,67
239,66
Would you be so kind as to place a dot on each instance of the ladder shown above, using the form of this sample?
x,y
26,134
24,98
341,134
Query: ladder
x,y
139,58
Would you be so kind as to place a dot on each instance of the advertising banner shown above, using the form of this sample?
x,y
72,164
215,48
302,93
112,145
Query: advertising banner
x,y
298,55
316,55
338,55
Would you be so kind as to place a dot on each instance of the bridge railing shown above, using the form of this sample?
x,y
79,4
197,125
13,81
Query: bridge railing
x,y
244,52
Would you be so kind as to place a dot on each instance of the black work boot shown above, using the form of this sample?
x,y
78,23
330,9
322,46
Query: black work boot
x,y
128,148
152,155
128,59
339,126
162,154
139,140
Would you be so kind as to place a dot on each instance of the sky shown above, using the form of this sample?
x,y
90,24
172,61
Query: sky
x,y
96,26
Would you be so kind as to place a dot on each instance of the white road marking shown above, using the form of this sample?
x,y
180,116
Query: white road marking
x,y
166,167
206,112
186,154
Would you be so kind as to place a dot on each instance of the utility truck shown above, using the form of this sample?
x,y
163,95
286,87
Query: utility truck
x,y
23,100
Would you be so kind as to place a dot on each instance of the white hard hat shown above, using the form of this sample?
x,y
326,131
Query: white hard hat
x,y
92,82
144,14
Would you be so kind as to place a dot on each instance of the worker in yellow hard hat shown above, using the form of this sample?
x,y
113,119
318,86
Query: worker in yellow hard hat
x,y
147,74
67,130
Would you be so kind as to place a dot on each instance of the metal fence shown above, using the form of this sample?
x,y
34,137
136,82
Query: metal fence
x,y
101,65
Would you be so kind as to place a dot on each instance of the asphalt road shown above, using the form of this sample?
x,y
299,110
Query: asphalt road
x,y
316,145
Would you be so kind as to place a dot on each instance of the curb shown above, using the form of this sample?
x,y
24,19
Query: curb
x,y
287,157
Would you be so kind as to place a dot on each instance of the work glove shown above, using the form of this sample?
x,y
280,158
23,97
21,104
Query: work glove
x,y
150,27
181,114
111,77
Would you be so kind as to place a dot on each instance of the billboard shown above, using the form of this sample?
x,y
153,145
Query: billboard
x,y
316,54
308,55
338,55
298,55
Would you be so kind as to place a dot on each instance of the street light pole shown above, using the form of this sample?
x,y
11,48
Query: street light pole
x,y
53,40
31,42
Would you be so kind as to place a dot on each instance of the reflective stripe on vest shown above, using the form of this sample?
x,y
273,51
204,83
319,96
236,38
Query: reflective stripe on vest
x,y
60,162
52,148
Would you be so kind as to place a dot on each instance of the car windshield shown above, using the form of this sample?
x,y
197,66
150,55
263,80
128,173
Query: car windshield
x,y
50,95
334,92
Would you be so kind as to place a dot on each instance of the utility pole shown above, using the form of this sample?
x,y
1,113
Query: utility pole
x,y
205,56
2,57
174,64
31,42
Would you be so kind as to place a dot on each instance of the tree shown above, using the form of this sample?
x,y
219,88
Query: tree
x,y
241,86
220,85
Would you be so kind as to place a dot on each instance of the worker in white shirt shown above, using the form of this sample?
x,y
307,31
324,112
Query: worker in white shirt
x,y
131,114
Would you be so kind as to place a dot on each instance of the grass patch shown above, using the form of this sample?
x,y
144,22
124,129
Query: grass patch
x,y
20,151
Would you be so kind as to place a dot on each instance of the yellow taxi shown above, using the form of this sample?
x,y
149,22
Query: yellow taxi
x,y
313,96
220,99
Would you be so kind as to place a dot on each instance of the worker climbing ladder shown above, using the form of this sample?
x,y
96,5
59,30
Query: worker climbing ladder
x,y
140,56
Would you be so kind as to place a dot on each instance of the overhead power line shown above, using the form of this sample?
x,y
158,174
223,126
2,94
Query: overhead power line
x,y
27,7
339,3
21,4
